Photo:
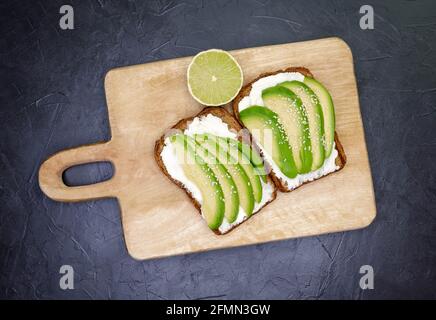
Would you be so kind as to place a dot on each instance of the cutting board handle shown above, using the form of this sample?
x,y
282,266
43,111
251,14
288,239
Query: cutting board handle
x,y
50,173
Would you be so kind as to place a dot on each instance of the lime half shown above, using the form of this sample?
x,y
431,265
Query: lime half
x,y
214,77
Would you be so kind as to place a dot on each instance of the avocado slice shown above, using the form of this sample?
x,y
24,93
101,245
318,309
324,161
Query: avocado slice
x,y
292,115
261,122
249,153
328,111
197,171
314,116
236,156
240,177
252,155
230,191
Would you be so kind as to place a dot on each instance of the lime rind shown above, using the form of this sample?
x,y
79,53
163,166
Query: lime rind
x,y
214,77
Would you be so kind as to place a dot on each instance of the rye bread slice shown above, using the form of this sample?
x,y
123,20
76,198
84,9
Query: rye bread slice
x,y
245,91
233,124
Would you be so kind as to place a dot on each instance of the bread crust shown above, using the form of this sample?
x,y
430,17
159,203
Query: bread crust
x,y
245,91
234,125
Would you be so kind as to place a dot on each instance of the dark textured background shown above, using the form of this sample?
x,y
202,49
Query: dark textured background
x,y
52,98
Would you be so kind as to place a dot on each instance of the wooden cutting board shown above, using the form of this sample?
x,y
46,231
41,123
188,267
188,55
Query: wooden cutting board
x,y
157,217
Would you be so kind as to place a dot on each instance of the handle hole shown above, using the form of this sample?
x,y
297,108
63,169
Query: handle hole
x,y
88,173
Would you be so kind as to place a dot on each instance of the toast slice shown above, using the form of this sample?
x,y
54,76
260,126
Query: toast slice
x,y
235,127
245,91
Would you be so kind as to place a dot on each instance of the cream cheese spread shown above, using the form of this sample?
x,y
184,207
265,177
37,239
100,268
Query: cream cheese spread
x,y
212,125
255,98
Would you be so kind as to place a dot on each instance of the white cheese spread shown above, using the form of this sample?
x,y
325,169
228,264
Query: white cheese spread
x,y
212,125
255,98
